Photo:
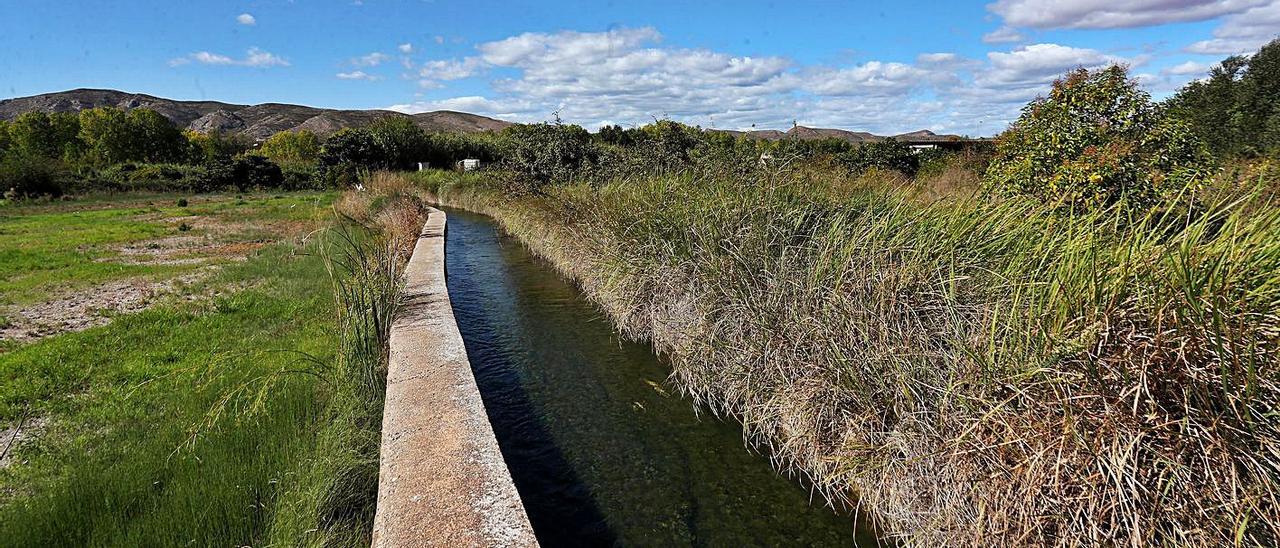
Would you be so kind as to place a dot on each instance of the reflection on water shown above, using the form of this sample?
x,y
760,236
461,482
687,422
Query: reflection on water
x,y
600,449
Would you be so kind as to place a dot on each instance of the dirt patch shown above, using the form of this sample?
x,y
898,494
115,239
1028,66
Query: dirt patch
x,y
13,436
173,250
91,307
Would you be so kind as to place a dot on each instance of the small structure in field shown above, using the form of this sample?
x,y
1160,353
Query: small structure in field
x,y
423,166
469,164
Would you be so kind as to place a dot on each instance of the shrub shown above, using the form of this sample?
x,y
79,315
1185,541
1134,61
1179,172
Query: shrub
x,y
182,202
244,172
1097,138
156,177
889,154
300,177
543,153
30,177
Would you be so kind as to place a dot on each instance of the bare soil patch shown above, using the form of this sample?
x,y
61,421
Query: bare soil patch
x,y
90,307
13,436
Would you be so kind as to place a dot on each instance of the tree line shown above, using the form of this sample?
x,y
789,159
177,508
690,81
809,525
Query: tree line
x,y
1094,137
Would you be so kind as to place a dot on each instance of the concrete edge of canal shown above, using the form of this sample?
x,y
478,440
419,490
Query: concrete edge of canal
x,y
442,480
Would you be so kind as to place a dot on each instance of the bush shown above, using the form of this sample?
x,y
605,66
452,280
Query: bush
x,y
543,153
1096,139
28,177
244,172
156,177
300,177
889,154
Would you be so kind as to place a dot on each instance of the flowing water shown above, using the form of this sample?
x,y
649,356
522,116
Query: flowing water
x,y
601,449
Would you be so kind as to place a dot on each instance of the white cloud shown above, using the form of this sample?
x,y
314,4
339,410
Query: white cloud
x,y
357,75
1003,35
438,39
246,19
627,76
451,69
1189,67
253,58
1110,14
1244,32
869,79
405,48
1039,64
371,60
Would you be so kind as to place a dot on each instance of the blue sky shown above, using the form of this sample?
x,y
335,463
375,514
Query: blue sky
x,y
888,67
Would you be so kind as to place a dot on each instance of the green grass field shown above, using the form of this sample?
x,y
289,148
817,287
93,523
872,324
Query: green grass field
x,y
61,246
205,422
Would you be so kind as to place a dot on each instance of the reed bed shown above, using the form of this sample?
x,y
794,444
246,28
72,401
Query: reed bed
x,y
971,371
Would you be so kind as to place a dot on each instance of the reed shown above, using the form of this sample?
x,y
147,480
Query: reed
x,y
973,371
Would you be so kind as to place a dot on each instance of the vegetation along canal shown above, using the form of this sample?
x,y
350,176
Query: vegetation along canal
x,y
602,452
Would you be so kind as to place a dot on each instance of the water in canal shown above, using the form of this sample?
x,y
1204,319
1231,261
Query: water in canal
x,y
601,450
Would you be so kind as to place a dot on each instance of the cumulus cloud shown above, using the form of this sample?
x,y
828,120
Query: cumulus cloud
x,y
1244,32
405,48
450,69
869,79
628,76
357,75
1003,35
371,60
1189,67
1038,64
246,19
1110,14
253,58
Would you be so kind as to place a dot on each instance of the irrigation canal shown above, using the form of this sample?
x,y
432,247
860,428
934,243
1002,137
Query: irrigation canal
x,y
601,451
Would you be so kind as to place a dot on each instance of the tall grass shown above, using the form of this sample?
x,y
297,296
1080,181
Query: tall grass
x,y
338,502
975,372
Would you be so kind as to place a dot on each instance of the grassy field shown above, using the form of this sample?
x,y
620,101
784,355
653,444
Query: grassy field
x,y
47,248
976,371
229,412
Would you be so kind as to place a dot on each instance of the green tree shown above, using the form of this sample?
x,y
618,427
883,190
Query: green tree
x,y
543,153
1236,110
106,135
401,141
6,142
292,147
1097,138
37,134
214,146
351,146
152,137
883,154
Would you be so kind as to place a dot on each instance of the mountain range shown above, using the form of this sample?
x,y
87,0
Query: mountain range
x,y
262,120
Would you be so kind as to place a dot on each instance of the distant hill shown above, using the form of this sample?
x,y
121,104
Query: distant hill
x,y
261,121
256,121
810,133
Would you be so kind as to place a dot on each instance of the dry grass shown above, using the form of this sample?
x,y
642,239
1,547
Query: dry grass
x,y
976,372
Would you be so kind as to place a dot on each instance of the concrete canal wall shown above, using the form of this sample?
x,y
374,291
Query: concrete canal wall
x,y
442,480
